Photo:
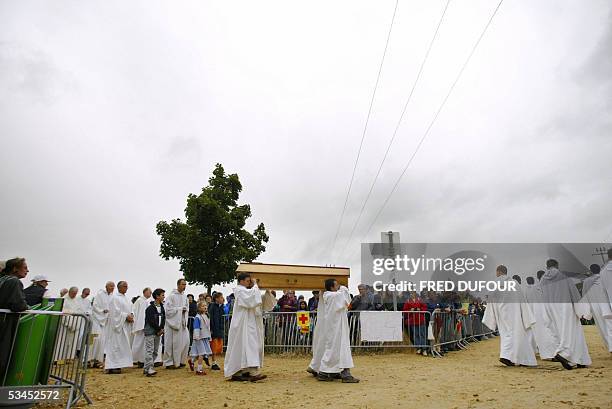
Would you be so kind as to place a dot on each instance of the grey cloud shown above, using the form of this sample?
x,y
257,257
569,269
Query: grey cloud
x,y
109,117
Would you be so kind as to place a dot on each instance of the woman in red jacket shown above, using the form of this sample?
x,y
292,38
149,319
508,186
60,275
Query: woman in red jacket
x,y
414,318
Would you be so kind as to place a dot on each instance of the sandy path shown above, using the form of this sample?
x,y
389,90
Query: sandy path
x,y
467,379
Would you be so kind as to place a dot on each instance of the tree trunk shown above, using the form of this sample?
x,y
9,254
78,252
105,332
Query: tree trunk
x,y
209,288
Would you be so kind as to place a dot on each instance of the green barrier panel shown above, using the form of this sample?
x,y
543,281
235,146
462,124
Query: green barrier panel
x,y
50,336
30,361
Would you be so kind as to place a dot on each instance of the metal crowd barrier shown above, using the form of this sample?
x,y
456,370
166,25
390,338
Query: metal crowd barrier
x,y
480,331
282,333
422,330
454,330
48,355
414,332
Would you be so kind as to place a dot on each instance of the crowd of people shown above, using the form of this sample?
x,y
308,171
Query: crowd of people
x,y
544,318
178,330
449,311
129,332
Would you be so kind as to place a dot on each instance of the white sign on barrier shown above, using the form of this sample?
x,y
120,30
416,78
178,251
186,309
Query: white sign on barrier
x,y
381,326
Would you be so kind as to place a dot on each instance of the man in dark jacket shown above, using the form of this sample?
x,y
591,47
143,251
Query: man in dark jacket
x,y
313,302
365,301
34,293
11,298
217,324
155,319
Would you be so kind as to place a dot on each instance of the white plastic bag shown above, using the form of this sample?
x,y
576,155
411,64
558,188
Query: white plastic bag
x,y
430,334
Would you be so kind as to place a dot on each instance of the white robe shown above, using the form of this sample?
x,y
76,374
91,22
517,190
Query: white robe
x,y
245,339
68,336
85,305
511,315
268,301
117,334
176,333
138,309
545,338
594,298
99,318
337,353
318,336
563,311
606,280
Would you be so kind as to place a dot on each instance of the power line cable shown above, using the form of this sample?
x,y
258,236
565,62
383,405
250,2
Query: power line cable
x,y
433,121
363,134
397,126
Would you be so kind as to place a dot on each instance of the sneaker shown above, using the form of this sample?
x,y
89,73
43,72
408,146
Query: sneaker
x,y
215,367
506,362
324,377
150,372
200,373
418,351
350,379
312,372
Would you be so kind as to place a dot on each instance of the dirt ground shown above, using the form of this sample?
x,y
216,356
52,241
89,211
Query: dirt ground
x,y
473,378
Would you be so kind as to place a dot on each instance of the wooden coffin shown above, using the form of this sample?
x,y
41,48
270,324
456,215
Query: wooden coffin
x,y
294,277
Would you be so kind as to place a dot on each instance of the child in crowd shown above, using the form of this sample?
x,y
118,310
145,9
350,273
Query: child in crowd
x,y
200,348
155,319
216,328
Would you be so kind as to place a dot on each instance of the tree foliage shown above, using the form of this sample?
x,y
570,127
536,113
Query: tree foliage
x,y
212,240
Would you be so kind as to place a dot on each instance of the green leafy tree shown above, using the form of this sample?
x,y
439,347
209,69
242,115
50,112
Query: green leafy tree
x,y
212,241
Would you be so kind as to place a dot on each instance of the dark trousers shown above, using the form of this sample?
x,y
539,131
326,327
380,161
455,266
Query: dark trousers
x,y
418,335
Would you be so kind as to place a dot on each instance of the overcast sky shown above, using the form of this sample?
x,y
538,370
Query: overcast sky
x,y
111,112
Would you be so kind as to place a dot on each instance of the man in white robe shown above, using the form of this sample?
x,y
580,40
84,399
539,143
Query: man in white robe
x,y
85,301
509,313
138,308
333,342
318,339
596,299
606,277
176,332
563,310
99,318
545,339
245,340
67,344
117,332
